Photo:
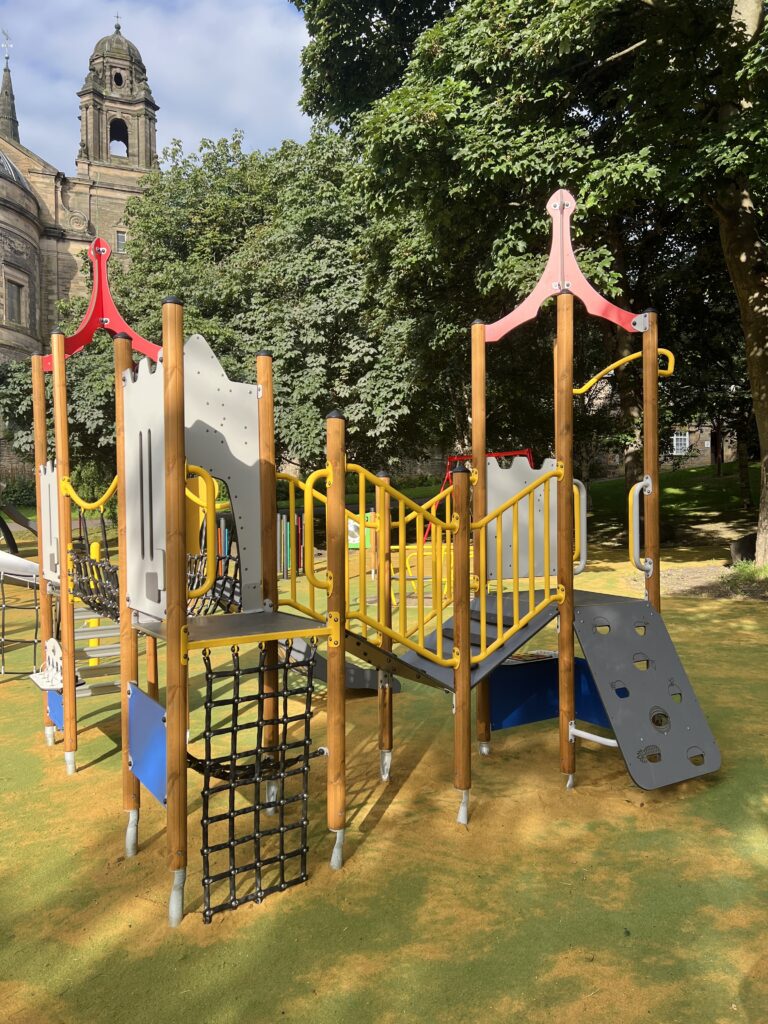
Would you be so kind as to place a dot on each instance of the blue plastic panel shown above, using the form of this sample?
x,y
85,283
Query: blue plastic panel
x,y
146,746
527,691
56,709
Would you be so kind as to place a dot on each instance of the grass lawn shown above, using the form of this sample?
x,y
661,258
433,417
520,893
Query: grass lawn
x,y
604,903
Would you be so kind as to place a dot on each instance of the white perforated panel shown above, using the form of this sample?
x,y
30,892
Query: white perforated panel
x,y
222,421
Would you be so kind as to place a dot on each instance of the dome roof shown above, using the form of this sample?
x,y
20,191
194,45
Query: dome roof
x,y
11,172
117,45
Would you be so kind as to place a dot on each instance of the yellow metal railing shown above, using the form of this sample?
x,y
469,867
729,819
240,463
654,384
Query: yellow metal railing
x,y
416,558
410,625
549,593
667,371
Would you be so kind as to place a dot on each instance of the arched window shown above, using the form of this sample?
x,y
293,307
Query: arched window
x,y
118,137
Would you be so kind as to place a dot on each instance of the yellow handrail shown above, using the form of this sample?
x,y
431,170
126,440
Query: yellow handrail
x,y
211,561
309,526
549,596
666,372
87,506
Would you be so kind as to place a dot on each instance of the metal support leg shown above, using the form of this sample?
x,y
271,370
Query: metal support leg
x,y
337,856
132,834
176,901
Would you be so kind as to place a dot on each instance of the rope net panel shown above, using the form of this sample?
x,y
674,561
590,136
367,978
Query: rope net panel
x,y
95,580
224,596
255,777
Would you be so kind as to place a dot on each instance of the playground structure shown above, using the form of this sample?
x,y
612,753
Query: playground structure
x,y
459,584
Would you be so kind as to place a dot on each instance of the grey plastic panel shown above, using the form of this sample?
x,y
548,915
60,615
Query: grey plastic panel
x,y
49,525
222,436
145,488
662,733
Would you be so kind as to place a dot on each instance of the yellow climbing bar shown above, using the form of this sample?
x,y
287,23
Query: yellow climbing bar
x,y
209,503
87,506
665,372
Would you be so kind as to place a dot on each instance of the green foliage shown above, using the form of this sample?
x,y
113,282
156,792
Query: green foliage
x,y
358,51
747,579
267,251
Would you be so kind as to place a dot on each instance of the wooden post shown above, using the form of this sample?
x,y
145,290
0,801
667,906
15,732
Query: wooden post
x,y
480,507
129,648
268,482
176,695
153,681
41,457
336,529
652,504
384,570
66,605
462,717
564,454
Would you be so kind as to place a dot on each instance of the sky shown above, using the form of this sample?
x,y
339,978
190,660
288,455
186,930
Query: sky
x,y
213,66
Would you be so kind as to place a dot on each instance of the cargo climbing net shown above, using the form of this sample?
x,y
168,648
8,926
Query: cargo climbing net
x,y
255,769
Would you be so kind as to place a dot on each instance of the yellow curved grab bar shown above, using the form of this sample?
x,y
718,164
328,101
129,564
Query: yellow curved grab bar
x,y
87,506
666,372
209,504
309,527
202,502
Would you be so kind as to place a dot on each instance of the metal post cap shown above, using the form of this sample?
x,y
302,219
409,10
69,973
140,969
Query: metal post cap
x,y
174,300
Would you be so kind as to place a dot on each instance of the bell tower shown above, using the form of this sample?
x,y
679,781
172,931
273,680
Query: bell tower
x,y
117,114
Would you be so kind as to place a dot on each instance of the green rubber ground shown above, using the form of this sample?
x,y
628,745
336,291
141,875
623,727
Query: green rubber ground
x,y
600,904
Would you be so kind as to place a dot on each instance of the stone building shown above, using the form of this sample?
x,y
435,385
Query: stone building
x,y
47,218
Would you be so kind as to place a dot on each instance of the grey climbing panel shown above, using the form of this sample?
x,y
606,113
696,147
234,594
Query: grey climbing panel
x,y
662,733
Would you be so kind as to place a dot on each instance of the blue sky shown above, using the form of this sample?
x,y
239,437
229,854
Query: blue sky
x,y
213,67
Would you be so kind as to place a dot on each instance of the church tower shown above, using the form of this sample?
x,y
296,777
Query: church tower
x,y
117,114
9,125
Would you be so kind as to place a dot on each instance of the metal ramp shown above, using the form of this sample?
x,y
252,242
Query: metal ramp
x,y
409,665
661,731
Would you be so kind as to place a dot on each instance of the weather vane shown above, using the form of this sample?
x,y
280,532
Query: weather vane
x,y
6,44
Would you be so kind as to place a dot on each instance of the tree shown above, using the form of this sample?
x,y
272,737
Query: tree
x,y
358,51
650,110
266,251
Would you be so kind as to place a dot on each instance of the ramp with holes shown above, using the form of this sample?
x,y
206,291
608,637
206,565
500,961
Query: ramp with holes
x,y
661,730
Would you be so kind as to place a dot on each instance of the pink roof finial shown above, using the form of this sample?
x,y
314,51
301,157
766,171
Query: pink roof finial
x,y
102,313
562,274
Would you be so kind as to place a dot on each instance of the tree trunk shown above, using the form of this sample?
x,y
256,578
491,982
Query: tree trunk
x,y
742,456
747,262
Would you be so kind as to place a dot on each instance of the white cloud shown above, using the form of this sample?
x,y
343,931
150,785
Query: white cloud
x,y
213,67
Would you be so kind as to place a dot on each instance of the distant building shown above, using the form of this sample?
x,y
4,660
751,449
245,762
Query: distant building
x,y
48,218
